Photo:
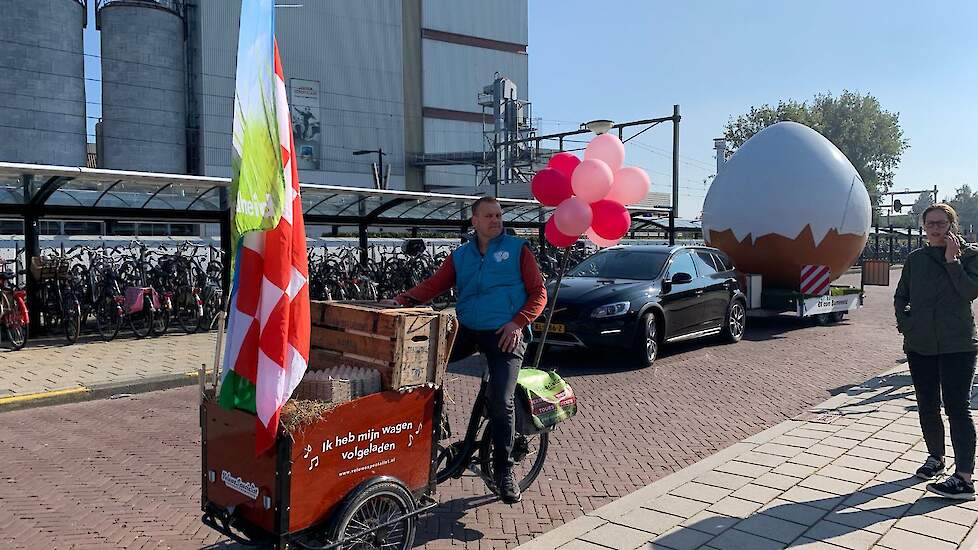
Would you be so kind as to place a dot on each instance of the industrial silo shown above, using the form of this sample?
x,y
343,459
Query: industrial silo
x,y
42,91
144,92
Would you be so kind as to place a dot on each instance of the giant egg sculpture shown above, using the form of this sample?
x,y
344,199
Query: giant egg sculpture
x,y
787,198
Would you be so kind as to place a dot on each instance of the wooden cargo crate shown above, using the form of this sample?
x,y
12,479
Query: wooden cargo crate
x,y
409,346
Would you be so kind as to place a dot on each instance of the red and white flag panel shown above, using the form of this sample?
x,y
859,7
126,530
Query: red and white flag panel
x,y
815,279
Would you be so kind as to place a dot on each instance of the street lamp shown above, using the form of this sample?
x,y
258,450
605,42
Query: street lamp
x,y
600,126
379,179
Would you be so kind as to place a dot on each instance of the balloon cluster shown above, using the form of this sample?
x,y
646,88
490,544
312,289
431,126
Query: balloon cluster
x,y
590,195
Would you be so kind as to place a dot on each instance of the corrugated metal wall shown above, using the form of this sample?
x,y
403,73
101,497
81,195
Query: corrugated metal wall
x,y
354,51
455,74
504,20
42,91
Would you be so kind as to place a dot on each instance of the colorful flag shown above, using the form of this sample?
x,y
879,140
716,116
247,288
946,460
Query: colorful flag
x,y
268,324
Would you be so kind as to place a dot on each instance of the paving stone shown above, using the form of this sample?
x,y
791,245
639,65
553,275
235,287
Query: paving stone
x,y
826,450
859,463
809,544
795,441
761,459
794,470
735,507
842,535
861,519
899,437
578,544
901,478
845,474
841,442
701,492
944,510
723,480
898,539
879,504
680,539
732,539
935,528
808,432
650,521
743,468
756,493
812,497
772,528
869,421
874,454
778,450
829,485
777,481
710,523
808,459
618,535
677,506
894,491
905,466
895,446
793,511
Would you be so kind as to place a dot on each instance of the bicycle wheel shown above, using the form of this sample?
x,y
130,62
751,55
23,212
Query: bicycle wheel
x,y
108,318
161,319
13,323
141,322
188,311
529,455
71,318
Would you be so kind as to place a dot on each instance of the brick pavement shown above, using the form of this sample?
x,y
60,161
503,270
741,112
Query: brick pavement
x,y
840,477
73,472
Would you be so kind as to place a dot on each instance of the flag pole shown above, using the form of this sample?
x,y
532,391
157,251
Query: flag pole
x,y
550,308
217,348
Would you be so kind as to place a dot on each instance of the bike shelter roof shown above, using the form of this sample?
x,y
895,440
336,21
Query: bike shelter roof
x,y
89,193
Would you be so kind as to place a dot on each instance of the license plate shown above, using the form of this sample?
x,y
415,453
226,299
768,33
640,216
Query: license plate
x,y
555,328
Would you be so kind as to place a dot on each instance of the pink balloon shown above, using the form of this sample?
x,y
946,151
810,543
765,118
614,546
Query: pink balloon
x,y
551,187
631,185
573,216
598,240
565,163
610,220
607,148
592,180
555,237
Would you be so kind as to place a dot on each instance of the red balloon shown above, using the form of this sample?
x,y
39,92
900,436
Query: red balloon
x,y
555,237
565,163
611,220
551,187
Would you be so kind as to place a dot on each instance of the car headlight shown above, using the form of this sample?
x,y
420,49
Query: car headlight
x,y
611,310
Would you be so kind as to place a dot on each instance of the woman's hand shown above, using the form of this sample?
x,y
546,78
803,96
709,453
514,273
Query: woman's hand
x,y
953,250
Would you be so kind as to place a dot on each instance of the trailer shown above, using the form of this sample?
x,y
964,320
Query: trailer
x,y
829,306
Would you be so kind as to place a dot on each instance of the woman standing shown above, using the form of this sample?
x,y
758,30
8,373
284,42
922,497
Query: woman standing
x,y
933,311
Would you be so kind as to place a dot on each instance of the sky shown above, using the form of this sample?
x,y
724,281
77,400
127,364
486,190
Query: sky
x,y
629,60
634,59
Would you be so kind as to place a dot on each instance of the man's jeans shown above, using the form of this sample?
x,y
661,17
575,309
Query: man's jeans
x,y
950,375
503,371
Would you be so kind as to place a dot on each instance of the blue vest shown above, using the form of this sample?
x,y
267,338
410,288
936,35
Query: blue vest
x,y
490,288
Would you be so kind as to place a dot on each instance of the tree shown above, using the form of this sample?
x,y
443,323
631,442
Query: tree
x,y
965,203
868,135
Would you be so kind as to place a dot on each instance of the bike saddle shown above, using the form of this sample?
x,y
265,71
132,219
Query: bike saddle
x,y
7,275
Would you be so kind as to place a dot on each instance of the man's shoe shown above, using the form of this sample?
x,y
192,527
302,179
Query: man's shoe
x,y
509,490
954,487
932,468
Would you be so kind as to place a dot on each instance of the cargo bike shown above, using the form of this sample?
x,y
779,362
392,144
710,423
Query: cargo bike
x,y
359,473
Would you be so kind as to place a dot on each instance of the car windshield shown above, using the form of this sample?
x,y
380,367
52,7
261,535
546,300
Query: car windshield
x,y
621,264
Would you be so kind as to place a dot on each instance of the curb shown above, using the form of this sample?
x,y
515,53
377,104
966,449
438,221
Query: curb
x,y
97,391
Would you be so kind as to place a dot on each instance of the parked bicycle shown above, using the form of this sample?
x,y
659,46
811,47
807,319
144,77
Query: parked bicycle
x,y
14,316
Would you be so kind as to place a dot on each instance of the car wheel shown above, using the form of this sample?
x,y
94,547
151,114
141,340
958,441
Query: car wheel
x,y
647,342
735,322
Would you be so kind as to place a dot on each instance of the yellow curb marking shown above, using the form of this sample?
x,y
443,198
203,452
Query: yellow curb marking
x,y
41,395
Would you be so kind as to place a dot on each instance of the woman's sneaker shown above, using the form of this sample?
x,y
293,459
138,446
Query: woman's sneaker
x,y
932,468
953,487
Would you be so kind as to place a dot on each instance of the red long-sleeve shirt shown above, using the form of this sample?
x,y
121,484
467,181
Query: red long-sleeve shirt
x,y
444,279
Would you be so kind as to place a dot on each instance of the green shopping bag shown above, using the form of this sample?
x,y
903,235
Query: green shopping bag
x,y
544,400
